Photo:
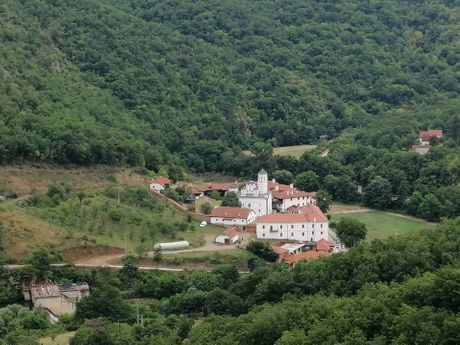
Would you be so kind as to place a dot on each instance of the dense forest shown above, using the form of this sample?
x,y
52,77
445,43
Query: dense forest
x,y
191,83
402,290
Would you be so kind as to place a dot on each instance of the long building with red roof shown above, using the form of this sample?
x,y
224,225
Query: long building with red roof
x,y
308,223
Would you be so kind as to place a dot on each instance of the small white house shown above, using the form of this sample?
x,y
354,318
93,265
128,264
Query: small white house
x,y
232,216
230,236
160,183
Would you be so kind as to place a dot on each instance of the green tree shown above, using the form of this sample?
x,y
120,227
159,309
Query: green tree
x,y
307,181
350,231
104,301
430,208
377,193
230,199
263,250
323,200
215,195
206,208
283,176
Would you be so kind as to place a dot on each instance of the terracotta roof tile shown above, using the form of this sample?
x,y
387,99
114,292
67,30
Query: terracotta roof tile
x,y
426,135
231,232
323,245
310,255
162,180
231,212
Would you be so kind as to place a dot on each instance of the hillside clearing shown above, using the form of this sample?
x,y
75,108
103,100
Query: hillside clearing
x,y
60,339
382,224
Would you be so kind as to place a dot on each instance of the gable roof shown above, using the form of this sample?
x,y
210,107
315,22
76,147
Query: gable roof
x,y
217,186
284,191
231,212
262,172
305,214
323,245
231,232
162,180
426,135
310,255
283,218
313,213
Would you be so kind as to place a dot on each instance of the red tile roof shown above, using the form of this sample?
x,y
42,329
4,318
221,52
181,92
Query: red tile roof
x,y
282,252
216,186
310,255
283,218
305,214
313,213
231,232
231,212
323,245
162,180
283,191
426,135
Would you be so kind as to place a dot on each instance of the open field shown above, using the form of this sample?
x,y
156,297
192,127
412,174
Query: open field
x,y
23,179
60,339
295,151
382,224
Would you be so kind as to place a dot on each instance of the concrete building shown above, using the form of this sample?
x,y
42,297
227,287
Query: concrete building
x,y
232,216
230,236
160,183
309,224
58,299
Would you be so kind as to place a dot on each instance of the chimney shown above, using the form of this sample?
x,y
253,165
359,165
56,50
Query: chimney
x,y
291,185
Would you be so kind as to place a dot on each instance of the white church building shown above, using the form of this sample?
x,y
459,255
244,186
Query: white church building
x,y
256,196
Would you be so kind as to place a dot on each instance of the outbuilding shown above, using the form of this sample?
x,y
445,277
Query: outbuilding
x,y
230,236
160,183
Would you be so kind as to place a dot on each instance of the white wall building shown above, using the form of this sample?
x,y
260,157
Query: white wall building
x,y
160,183
256,196
310,224
230,236
232,216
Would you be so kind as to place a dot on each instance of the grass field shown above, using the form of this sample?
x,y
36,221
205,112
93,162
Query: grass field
x,y
295,151
382,225
61,339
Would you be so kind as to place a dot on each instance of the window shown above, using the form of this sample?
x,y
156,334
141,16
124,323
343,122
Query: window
x,y
311,239
263,234
263,226
322,232
303,226
321,225
313,225
292,234
303,233
281,234
312,232
292,226
281,226
271,227
249,205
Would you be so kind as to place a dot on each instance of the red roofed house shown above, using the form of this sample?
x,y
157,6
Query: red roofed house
x,y
324,245
292,259
425,136
286,196
234,216
222,188
230,236
160,183
309,224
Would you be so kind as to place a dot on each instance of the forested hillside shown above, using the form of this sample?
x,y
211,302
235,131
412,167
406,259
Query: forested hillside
x,y
190,83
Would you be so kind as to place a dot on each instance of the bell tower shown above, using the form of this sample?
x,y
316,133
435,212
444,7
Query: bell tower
x,y
262,181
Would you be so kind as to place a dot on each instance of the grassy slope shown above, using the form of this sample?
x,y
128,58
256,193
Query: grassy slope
x,y
28,228
382,225
61,339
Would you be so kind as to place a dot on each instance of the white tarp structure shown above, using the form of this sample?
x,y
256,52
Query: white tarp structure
x,y
172,245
